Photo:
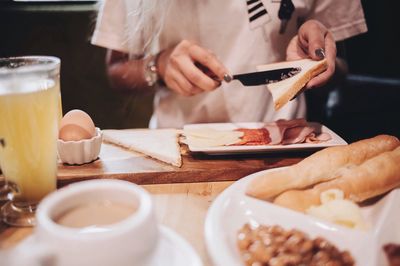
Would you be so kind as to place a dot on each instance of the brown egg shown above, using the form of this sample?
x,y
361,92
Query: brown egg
x,y
76,125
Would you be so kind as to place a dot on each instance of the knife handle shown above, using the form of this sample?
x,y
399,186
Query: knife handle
x,y
207,71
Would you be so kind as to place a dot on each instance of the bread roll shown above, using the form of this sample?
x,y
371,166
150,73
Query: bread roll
x,y
319,167
283,91
372,178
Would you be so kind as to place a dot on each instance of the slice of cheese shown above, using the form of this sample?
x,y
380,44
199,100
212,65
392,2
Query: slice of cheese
x,y
208,137
160,144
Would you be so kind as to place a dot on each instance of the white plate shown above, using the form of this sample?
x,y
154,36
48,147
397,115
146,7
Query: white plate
x,y
335,141
172,250
232,209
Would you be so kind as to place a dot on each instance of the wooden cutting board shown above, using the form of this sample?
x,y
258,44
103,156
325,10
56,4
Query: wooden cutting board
x,y
119,163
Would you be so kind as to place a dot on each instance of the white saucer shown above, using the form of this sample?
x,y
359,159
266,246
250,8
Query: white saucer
x,y
172,250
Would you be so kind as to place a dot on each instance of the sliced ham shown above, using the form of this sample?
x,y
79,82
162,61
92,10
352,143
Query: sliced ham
x,y
278,128
313,138
296,135
284,132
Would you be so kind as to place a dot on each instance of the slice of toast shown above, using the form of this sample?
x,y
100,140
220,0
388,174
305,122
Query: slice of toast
x,y
283,91
160,144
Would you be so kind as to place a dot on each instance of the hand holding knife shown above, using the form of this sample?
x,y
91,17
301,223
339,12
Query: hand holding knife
x,y
259,77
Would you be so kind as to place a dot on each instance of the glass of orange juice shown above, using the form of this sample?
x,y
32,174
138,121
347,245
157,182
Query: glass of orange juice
x,y
30,108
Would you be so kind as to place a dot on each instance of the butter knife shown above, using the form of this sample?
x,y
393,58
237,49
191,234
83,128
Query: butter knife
x,y
263,77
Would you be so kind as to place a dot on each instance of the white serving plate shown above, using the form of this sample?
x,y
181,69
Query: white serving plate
x,y
335,141
232,209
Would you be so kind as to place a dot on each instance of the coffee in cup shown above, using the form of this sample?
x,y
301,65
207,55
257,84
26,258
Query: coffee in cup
x,y
96,222
95,214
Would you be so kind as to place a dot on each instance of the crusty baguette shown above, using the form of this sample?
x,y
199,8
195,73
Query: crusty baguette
x,y
283,91
319,167
372,178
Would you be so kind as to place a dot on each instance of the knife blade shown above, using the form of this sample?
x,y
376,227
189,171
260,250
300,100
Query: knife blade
x,y
264,77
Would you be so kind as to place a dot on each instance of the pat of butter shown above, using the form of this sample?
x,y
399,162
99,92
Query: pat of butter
x,y
336,209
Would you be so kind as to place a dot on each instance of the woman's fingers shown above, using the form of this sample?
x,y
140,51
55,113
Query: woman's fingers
x,y
190,69
330,55
207,59
184,85
294,50
194,75
312,36
318,43
330,49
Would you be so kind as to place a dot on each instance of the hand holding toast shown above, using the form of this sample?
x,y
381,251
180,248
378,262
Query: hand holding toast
x,y
316,42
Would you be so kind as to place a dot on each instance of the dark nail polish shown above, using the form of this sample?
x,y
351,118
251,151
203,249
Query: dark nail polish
x,y
320,52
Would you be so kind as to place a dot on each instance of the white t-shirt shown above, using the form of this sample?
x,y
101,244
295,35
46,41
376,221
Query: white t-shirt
x,y
243,34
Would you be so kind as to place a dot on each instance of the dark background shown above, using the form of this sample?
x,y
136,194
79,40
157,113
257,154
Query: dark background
x,y
366,104
377,52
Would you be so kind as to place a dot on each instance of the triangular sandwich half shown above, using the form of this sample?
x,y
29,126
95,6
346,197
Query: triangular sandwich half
x,y
160,144
283,91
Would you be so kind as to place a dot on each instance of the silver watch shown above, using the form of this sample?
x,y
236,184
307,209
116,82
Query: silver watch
x,y
151,71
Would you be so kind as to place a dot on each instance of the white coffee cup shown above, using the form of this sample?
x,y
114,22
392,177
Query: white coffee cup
x,y
132,241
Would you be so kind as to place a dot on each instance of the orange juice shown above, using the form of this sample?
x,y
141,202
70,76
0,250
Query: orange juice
x,y
29,115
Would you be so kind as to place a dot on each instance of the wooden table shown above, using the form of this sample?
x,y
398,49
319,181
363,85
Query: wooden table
x,y
119,163
180,206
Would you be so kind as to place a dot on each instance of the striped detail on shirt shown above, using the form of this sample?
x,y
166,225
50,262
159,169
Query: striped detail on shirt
x,y
258,14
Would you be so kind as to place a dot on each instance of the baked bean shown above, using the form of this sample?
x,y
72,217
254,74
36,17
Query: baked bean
x,y
275,246
306,246
347,258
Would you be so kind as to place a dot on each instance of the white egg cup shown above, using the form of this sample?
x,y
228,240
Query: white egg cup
x,y
82,151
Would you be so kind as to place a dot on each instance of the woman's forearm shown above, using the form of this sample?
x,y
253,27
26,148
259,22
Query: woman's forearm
x,y
126,74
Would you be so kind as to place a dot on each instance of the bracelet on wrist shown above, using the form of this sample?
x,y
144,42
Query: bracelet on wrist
x,y
151,70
